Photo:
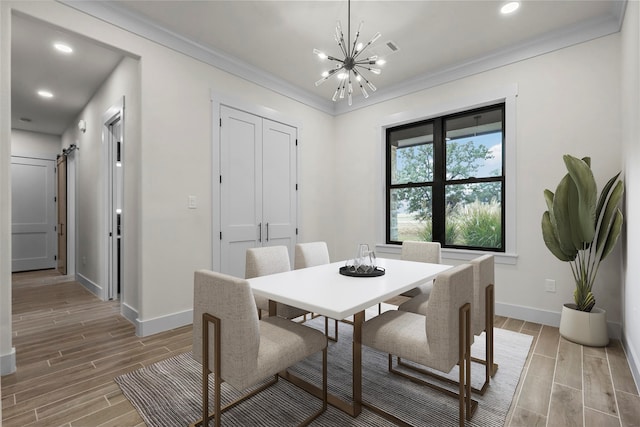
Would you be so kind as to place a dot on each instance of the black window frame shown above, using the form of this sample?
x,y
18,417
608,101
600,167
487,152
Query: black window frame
x,y
439,183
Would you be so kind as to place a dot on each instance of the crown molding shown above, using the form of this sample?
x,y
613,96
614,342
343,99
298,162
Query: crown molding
x,y
550,42
117,15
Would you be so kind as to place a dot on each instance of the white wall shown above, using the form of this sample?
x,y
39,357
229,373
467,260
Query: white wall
x,y
631,154
34,144
568,102
90,182
7,352
175,142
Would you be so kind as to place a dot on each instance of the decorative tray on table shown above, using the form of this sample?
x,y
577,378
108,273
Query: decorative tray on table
x,y
350,270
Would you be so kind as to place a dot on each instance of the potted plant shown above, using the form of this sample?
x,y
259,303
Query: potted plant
x,y
582,228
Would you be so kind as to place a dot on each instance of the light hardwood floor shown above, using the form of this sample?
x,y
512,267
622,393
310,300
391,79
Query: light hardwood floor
x,y
70,346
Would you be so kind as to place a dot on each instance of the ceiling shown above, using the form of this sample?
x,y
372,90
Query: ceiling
x,y
271,43
73,79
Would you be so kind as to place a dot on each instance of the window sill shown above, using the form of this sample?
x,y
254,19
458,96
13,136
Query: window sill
x,y
453,254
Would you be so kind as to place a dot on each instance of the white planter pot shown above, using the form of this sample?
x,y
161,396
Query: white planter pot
x,y
586,328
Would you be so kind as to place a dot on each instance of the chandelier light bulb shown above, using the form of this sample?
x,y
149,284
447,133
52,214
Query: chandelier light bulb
x,y
364,91
376,71
335,96
381,62
342,92
359,47
371,86
343,75
350,101
320,54
376,37
325,74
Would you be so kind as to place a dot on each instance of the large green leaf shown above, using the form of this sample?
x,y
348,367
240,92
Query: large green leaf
x,y
548,198
585,183
610,209
614,232
605,193
561,216
551,240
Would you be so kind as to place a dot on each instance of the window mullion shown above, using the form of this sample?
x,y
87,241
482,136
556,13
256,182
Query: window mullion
x,y
438,205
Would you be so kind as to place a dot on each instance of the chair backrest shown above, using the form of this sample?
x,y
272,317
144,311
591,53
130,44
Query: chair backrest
x,y
451,289
267,260
483,276
231,300
311,254
421,251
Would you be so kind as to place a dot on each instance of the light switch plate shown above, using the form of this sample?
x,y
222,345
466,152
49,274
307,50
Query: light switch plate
x,y
191,204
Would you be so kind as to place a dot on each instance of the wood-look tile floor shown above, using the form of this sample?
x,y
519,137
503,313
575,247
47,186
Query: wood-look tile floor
x,y
70,346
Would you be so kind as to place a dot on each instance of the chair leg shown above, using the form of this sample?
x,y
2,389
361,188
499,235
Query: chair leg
x,y
490,367
206,369
467,406
464,363
206,319
326,330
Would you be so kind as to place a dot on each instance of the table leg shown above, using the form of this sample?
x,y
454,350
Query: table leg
x,y
273,308
358,319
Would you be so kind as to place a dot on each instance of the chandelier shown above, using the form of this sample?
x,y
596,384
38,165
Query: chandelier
x,y
350,68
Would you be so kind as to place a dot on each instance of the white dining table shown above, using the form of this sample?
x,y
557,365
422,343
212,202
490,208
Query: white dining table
x,y
323,290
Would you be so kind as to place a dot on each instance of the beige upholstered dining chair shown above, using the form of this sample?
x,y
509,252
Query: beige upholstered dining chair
x,y
420,252
483,308
440,338
270,260
241,350
309,255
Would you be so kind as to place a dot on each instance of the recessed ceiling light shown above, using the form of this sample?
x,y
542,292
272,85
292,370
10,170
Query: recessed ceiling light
x,y
64,48
510,7
45,94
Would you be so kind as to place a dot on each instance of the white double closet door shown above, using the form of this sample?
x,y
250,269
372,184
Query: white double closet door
x,y
258,186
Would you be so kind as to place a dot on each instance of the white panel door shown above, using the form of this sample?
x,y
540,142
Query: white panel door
x,y
257,187
33,212
240,188
279,184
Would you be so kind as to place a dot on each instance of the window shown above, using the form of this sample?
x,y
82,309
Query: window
x,y
445,180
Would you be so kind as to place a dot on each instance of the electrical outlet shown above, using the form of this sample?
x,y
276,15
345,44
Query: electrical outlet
x,y
550,285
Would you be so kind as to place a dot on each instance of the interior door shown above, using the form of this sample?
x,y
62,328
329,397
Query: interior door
x,y
240,192
33,223
115,201
62,214
279,184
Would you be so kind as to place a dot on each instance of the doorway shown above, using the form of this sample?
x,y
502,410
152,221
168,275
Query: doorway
x,y
113,138
61,173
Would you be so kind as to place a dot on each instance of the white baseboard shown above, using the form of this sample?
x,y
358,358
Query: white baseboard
x,y
545,317
632,359
8,362
164,323
92,287
131,314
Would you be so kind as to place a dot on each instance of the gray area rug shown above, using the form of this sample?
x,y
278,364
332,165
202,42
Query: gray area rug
x,y
167,393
